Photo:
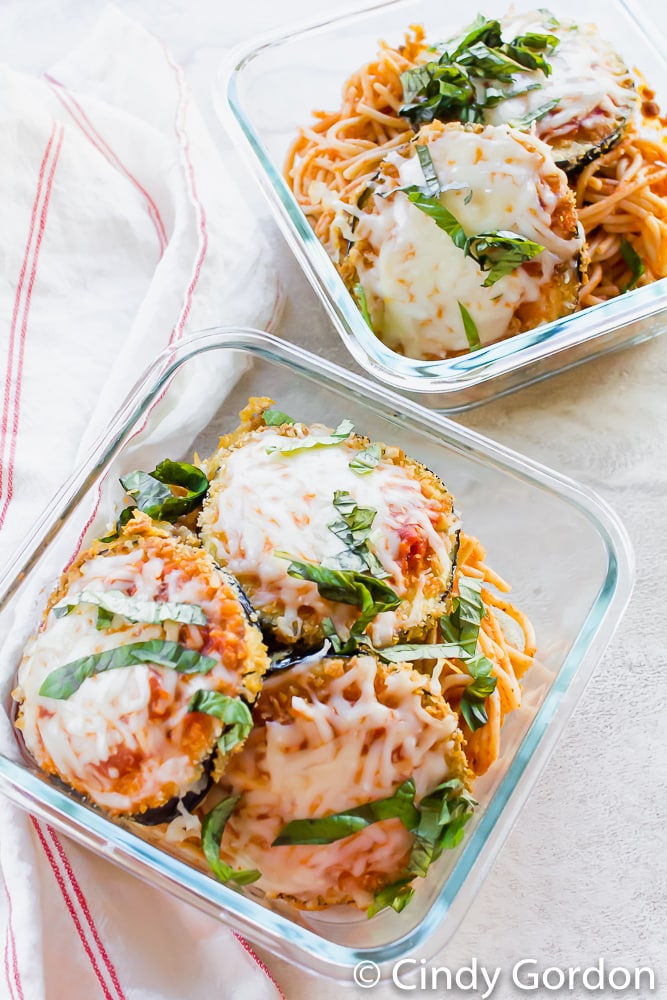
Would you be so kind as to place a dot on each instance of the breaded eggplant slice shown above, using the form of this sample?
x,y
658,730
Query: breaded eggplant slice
x,y
269,505
417,275
583,106
329,737
124,735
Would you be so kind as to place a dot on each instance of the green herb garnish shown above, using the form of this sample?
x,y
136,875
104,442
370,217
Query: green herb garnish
x,y
474,71
115,602
341,433
470,328
212,829
233,712
634,262
473,708
125,515
400,805
62,682
360,296
151,492
365,461
361,590
534,116
276,418
353,527
397,896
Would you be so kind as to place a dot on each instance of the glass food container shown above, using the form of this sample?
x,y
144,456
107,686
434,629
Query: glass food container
x,y
267,91
564,552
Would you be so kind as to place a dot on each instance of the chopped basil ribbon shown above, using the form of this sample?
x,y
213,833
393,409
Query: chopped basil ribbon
x,y
473,708
341,433
361,590
232,711
125,515
499,252
534,116
327,829
397,895
634,262
437,822
353,526
212,828
276,418
151,492
464,80
360,296
443,814
470,329
462,625
115,602
365,461
62,682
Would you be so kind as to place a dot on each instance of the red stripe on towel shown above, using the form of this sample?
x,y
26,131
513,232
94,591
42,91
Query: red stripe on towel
x,y
78,115
260,963
10,941
184,142
73,895
9,486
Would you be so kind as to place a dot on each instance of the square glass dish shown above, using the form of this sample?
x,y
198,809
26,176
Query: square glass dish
x,y
564,552
266,92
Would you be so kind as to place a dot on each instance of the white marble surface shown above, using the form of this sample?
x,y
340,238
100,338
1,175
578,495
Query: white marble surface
x,y
584,873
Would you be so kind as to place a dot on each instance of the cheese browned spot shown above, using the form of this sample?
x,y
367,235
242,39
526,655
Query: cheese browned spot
x,y
496,180
126,738
263,501
331,736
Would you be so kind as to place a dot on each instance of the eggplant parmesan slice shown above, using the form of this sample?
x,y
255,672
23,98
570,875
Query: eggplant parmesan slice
x,y
144,654
465,219
331,737
290,502
582,107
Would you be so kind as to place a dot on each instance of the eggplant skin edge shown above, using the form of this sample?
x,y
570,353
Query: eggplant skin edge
x,y
573,162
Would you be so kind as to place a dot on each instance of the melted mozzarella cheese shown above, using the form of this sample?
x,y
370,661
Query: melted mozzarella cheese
x,y
267,502
586,79
342,746
415,276
110,717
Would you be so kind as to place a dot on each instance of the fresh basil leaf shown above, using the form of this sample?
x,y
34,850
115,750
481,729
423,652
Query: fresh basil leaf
x,y
443,815
410,652
360,296
397,896
328,829
233,712
463,623
429,171
500,253
473,708
442,217
371,595
62,682
341,433
104,619
151,490
634,262
124,516
534,116
212,828
528,50
470,329
365,461
276,418
115,602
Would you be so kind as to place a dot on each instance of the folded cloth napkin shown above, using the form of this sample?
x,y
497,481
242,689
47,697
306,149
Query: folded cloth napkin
x,y
121,235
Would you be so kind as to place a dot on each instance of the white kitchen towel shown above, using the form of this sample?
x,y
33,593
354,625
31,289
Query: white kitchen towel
x,y
121,234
